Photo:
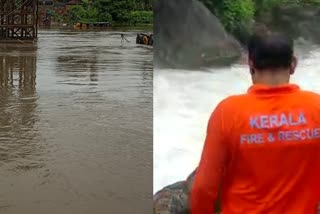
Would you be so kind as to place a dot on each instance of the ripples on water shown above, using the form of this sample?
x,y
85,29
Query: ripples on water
x,y
76,124
184,100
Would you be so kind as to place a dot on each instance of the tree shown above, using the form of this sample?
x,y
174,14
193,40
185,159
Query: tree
x,y
119,10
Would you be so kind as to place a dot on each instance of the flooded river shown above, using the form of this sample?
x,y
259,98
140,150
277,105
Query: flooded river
x,y
76,125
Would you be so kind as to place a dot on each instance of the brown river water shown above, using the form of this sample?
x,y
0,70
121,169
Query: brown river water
x,y
76,124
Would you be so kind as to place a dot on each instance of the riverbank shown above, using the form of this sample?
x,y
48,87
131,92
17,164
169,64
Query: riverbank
x,y
116,26
118,13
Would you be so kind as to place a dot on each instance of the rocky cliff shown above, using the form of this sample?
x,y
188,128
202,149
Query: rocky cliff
x,y
188,36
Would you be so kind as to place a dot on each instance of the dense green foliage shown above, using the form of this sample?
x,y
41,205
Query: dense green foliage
x,y
141,17
131,12
233,13
83,13
239,15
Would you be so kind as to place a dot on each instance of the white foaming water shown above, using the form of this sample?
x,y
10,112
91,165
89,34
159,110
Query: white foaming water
x,y
183,102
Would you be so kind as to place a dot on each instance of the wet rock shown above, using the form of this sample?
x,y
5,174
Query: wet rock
x,y
190,180
188,36
174,199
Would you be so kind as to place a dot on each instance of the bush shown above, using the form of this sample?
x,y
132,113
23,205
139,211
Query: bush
x,y
105,17
316,2
268,5
237,14
234,14
91,15
78,13
141,17
121,11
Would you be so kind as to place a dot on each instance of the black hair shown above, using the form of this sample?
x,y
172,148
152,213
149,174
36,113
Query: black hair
x,y
270,51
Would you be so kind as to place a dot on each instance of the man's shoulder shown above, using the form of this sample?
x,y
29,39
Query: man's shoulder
x,y
310,94
231,103
233,100
309,98
239,99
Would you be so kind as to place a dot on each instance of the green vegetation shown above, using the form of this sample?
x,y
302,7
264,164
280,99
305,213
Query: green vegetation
x,y
141,17
125,12
232,13
238,16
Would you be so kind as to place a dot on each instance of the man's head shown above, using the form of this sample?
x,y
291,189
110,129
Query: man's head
x,y
271,58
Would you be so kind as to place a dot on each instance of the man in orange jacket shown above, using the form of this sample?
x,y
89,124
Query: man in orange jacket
x,y
263,147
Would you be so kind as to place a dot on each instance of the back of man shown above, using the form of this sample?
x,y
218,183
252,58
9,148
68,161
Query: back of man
x,y
263,148
275,142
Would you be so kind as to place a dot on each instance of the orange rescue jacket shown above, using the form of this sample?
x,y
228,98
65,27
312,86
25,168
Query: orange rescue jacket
x,y
263,149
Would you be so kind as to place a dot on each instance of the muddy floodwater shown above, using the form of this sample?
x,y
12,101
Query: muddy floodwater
x,y
76,124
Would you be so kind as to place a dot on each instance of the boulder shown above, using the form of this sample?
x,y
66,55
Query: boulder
x,y
174,199
189,36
